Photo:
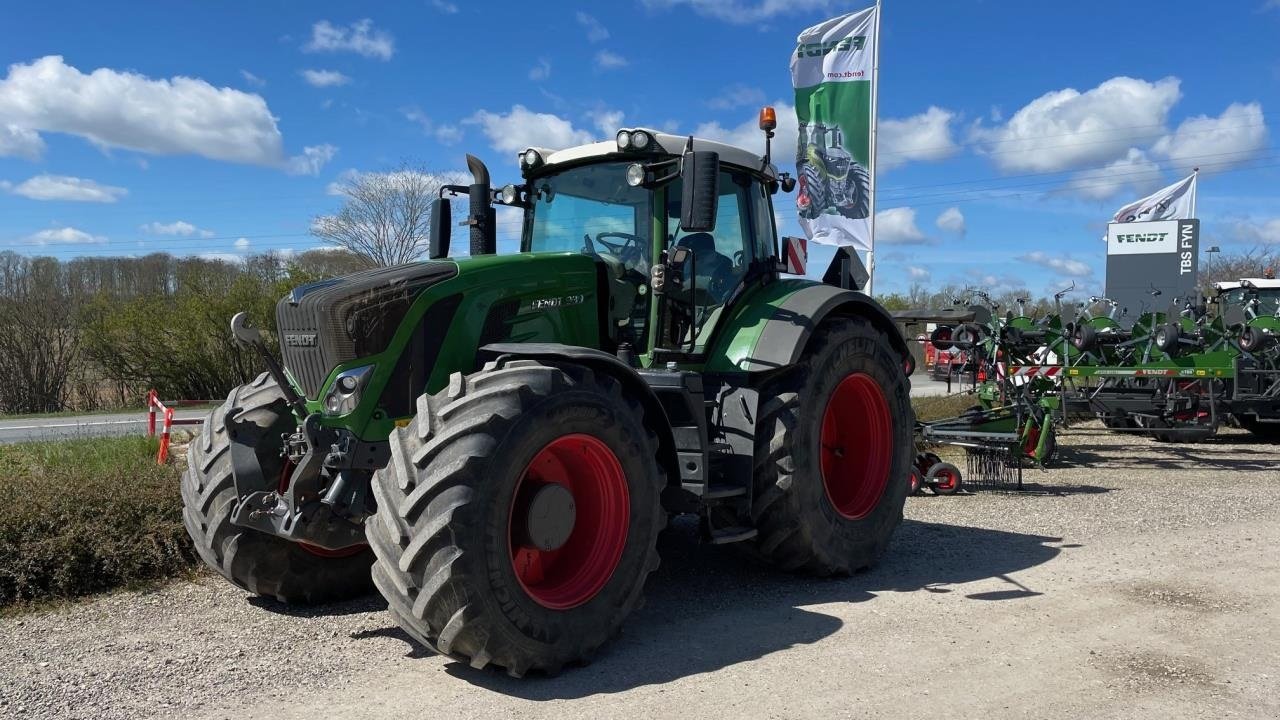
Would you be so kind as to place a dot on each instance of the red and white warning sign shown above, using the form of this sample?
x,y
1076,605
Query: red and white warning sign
x,y
796,250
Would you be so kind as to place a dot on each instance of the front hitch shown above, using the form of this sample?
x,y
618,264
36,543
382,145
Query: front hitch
x,y
247,334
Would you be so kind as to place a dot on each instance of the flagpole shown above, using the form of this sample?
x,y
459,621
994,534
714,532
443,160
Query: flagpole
x,y
1195,187
875,121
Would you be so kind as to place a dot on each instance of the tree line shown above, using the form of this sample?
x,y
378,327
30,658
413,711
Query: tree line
x,y
98,332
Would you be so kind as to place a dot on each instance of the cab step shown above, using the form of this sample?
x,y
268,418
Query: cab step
x,y
721,491
737,533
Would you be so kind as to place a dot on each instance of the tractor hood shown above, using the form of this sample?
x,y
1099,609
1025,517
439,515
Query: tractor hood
x,y
323,324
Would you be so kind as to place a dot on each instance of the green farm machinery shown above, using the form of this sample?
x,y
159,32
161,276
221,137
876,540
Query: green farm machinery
x,y
495,441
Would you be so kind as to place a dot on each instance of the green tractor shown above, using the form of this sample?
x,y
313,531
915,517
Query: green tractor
x,y
496,441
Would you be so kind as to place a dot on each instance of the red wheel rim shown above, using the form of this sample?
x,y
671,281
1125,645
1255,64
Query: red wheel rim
x,y
857,446
945,480
576,571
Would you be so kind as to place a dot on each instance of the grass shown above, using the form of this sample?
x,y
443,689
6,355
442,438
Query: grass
x,y
938,407
83,516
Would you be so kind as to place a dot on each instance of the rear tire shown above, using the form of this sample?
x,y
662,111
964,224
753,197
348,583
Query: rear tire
x,y
262,564
842,523
450,560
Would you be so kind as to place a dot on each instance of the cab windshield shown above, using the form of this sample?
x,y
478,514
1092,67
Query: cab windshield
x,y
592,210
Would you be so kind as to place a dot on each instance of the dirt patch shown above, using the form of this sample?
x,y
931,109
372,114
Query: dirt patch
x,y
1149,671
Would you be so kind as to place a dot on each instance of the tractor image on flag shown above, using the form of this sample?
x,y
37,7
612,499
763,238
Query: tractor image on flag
x,y
494,442
831,181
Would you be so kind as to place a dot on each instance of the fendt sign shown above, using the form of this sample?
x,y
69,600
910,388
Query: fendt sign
x,y
1143,256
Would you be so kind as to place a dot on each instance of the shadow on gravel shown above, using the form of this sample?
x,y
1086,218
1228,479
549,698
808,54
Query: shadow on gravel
x,y
365,604
710,608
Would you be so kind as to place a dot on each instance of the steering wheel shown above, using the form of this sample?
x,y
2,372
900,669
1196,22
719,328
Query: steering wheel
x,y
629,242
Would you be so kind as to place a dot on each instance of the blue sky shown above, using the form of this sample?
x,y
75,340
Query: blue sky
x,y
1014,128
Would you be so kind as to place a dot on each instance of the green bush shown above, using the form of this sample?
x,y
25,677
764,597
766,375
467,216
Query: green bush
x,y
87,515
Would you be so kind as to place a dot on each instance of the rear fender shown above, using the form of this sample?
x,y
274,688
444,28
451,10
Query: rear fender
x,y
771,332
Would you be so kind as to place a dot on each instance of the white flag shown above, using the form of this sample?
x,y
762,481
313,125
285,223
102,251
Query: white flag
x,y
1176,202
833,70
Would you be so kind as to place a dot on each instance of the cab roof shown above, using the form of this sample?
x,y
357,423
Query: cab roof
x,y
1261,283
669,145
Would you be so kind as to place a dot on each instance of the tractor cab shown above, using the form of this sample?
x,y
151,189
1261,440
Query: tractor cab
x,y
680,228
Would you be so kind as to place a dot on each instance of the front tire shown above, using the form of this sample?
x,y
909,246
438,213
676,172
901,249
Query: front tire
x,y
460,561
833,453
262,564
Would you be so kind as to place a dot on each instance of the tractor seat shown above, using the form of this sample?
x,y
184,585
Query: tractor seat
x,y
714,271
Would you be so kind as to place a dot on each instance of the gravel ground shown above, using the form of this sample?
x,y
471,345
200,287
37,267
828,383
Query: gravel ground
x,y
1142,583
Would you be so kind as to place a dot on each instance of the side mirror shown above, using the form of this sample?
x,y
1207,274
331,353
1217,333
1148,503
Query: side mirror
x,y
700,177
439,228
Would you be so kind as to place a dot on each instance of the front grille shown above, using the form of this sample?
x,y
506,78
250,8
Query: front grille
x,y
312,321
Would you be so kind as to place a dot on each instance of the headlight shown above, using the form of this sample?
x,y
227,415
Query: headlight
x,y
509,195
530,159
347,387
640,140
635,174
624,140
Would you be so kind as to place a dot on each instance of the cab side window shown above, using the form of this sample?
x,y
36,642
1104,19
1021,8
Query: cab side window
x,y
720,257
766,233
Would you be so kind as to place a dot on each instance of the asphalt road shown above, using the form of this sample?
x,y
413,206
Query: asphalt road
x,y
1139,580
66,427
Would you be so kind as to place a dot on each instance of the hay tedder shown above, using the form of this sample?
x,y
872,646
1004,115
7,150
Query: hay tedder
x,y
1176,376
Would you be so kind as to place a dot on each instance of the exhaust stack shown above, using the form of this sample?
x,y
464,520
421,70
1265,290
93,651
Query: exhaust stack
x,y
484,233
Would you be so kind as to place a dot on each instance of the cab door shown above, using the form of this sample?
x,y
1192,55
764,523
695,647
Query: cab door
x,y
736,255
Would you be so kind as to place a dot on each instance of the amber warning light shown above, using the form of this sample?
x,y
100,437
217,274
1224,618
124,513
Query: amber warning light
x,y
768,119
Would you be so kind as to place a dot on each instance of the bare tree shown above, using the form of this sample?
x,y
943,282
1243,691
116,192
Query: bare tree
x,y
385,216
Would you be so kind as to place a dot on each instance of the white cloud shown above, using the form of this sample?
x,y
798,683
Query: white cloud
x,y
951,220
522,128
1068,129
445,134
1258,231
177,228
606,60
20,142
897,226
65,236
445,7
324,78
1134,172
748,136
541,70
448,134
312,159
1064,265
595,31
252,79
743,12
917,273
926,136
127,110
736,96
1232,138
62,187
360,37
608,121
242,244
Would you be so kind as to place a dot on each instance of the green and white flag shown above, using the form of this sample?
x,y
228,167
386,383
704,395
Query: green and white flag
x,y
833,72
